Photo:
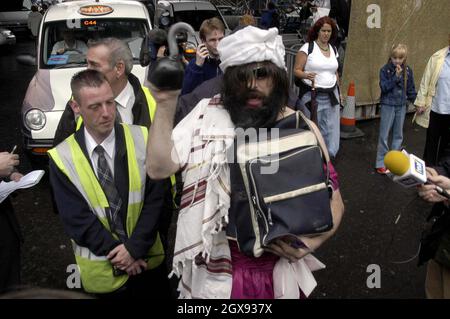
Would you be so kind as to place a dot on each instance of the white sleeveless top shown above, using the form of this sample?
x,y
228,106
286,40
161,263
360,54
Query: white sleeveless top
x,y
324,67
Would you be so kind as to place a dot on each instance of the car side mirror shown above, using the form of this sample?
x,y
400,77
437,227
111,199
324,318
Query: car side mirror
x,y
26,59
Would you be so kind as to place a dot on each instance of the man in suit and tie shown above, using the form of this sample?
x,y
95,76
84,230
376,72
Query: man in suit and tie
x,y
135,104
109,207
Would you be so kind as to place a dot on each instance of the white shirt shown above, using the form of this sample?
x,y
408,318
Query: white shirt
x,y
125,101
322,3
441,100
79,45
108,144
325,67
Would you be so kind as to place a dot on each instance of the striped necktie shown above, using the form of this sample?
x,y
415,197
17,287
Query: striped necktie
x,y
106,180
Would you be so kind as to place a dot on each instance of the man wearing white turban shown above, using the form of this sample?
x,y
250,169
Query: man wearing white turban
x,y
254,95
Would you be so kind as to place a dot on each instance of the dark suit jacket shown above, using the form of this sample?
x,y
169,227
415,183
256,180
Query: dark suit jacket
x,y
10,240
340,10
67,124
85,228
7,211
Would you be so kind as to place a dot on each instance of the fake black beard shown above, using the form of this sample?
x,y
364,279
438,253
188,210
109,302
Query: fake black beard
x,y
245,117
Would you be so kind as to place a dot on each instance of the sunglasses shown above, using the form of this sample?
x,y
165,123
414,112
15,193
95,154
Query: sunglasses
x,y
260,72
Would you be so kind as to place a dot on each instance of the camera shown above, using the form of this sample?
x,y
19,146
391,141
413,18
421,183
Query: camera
x,y
157,38
150,46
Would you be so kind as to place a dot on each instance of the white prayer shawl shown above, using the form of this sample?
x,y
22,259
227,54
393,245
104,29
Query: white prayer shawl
x,y
202,254
204,204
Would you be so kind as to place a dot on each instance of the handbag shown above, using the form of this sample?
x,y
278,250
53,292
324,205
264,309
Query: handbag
x,y
293,199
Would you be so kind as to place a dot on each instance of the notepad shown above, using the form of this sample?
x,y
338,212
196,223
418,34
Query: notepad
x,y
26,181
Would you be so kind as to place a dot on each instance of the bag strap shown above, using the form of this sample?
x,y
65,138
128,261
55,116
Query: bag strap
x,y
313,128
310,47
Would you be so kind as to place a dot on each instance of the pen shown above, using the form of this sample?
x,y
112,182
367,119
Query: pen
x,y
14,149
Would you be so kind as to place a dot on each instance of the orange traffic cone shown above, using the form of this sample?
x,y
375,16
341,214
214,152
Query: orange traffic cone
x,y
348,121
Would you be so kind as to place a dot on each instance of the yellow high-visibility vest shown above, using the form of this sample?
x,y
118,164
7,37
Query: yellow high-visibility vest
x,y
96,271
151,111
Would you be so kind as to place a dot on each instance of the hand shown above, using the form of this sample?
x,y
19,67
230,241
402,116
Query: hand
x,y
398,69
310,76
161,52
163,97
120,257
7,163
419,109
202,53
428,191
283,248
429,194
431,172
61,51
15,176
440,180
136,268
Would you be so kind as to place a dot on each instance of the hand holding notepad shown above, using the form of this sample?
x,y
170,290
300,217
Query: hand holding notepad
x,y
26,181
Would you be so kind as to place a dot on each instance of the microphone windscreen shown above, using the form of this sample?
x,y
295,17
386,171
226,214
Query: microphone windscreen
x,y
158,37
397,162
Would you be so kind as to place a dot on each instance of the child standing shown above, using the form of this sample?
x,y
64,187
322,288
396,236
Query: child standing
x,y
397,87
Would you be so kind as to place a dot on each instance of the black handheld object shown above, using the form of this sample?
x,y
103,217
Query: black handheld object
x,y
118,272
150,46
168,73
144,55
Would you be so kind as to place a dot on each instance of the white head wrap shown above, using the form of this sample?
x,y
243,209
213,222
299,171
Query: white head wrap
x,y
251,44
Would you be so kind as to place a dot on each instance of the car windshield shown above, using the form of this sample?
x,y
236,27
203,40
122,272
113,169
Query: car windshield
x,y
195,20
65,45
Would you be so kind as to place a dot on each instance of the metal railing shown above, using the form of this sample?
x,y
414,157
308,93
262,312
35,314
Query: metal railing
x,y
290,62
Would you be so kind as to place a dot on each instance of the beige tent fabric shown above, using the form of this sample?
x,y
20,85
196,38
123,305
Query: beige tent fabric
x,y
423,25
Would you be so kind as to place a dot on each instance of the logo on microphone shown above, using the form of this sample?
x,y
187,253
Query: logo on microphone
x,y
418,166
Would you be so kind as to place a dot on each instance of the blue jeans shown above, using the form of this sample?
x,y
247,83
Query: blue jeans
x,y
392,117
328,118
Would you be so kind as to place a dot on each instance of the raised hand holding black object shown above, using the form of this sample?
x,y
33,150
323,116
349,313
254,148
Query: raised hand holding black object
x,y
168,73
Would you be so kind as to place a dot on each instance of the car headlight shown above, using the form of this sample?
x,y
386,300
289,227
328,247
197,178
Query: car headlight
x,y
35,119
6,33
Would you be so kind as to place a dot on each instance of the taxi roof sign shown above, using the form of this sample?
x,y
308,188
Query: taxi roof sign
x,y
95,10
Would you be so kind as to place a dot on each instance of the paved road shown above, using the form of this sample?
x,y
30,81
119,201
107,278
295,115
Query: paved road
x,y
368,235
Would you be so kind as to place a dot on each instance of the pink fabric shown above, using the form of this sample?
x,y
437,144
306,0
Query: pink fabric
x,y
252,277
333,177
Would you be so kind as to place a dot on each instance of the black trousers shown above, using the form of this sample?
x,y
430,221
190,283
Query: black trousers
x,y
10,241
438,138
151,284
